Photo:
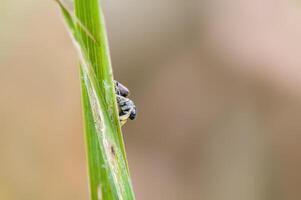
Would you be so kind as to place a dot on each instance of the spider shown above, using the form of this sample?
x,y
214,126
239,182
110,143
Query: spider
x,y
127,108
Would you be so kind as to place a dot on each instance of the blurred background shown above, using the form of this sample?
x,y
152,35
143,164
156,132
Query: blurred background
x,y
217,84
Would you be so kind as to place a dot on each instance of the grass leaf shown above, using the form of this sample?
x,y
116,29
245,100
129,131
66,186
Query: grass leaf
x,y
108,168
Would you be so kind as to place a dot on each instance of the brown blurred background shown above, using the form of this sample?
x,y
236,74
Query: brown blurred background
x,y
217,84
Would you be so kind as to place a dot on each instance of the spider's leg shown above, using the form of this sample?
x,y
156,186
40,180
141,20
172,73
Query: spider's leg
x,y
124,117
124,113
127,109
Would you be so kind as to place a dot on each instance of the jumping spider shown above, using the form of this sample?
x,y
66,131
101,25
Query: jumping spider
x,y
127,109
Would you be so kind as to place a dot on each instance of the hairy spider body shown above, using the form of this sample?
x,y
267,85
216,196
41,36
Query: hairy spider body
x,y
127,108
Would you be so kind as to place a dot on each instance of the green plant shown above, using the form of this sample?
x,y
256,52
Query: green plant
x,y
108,168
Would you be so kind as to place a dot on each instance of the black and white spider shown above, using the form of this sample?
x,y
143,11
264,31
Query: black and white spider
x,y
127,108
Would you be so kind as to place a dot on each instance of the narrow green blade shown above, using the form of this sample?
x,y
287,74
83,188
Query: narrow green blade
x,y
107,164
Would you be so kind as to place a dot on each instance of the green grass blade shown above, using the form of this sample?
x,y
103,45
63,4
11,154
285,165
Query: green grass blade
x,y
108,169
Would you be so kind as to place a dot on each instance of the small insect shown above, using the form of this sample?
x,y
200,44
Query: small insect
x,y
127,108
